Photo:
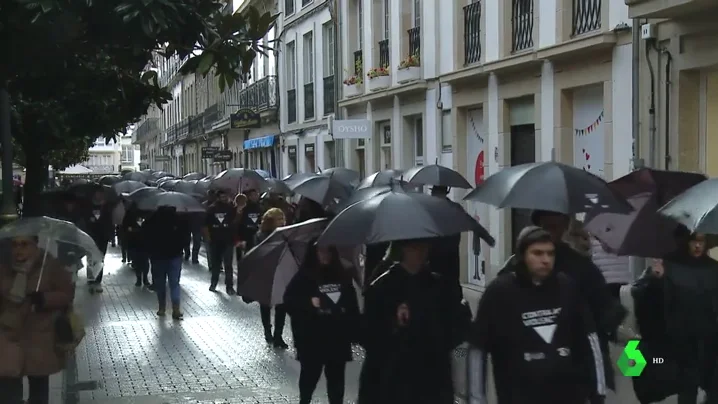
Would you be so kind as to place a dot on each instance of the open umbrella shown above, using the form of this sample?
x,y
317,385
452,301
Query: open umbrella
x,y
193,176
665,185
266,270
358,196
142,193
380,178
109,179
87,190
201,187
435,175
168,185
322,189
346,176
399,215
183,203
276,186
125,187
185,187
160,174
264,174
238,180
137,176
549,186
696,208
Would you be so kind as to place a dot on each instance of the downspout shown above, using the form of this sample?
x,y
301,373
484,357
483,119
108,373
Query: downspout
x,y
636,99
651,109
669,63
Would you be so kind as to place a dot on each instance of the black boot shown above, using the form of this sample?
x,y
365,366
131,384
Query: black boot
x,y
145,280
268,335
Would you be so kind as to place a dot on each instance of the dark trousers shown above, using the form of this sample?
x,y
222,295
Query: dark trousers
x,y
222,255
195,246
167,272
140,262
12,390
309,376
280,316
102,246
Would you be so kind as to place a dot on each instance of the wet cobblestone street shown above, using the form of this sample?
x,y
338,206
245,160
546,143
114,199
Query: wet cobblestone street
x,y
217,354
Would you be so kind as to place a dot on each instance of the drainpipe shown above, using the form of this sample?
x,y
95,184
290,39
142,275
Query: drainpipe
x,y
667,156
636,264
338,143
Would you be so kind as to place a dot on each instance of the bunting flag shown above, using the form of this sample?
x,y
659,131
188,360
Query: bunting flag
x,y
590,128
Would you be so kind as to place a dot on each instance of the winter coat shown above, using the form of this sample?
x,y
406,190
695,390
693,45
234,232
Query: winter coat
x,y
100,226
325,333
166,234
615,269
410,363
30,348
132,225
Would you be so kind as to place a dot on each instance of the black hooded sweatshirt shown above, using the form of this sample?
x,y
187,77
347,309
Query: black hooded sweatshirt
x,y
249,223
99,225
541,339
220,220
165,234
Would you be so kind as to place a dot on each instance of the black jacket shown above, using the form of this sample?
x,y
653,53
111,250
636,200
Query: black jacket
x,y
132,225
98,221
165,234
411,363
541,339
325,333
221,223
249,223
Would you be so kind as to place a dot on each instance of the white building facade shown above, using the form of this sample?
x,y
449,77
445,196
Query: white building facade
x,y
105,157
306,85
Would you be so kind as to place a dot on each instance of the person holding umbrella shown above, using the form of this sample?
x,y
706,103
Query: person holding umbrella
x,y
325,321
248,222
444,256
101,228
220,222
132,226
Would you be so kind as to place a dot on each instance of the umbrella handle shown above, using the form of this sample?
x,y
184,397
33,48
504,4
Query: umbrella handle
x,y
44,259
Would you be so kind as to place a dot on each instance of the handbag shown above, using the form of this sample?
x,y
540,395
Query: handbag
x,y
69,330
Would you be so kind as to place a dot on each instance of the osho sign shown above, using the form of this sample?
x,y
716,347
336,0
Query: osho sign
x,y
351,129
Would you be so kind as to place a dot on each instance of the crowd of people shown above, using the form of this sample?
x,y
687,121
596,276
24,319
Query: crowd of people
x,y
546,321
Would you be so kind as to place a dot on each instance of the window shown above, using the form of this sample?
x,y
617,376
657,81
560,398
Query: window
x,y
308,62
328,45
127,153
419,141
291,66
360,23
387,19
447,139
417,13
288,7
306,2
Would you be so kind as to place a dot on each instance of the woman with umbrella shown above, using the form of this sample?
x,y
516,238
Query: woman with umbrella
x,y
325,321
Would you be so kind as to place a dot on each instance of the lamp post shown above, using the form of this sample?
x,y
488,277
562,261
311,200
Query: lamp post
x,y
8,213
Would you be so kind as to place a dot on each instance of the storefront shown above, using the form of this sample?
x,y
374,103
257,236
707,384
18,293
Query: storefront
x,y
262,153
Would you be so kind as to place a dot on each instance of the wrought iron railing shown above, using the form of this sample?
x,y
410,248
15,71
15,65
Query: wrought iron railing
x,y
586,16
472,33
329,95
196,126
292,106
309,101
358,63
211,116
261,95
288,7
522,25
182,129
415,41
384,53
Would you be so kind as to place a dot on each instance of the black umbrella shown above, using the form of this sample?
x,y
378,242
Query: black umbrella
x,y
664,185
275,186
435,175
168,185
344,175
358,196
125,187
109,179
201,187
142,193
87,190
696,208
399,215
160,174
183,203
193,176
380,178
238,180
185,187
135,176
324,190
549,186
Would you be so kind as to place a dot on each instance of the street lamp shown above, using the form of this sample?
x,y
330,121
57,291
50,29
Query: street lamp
x,y
8,212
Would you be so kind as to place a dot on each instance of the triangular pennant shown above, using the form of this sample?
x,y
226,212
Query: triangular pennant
x,y
220,217
96,214
334,296
546,332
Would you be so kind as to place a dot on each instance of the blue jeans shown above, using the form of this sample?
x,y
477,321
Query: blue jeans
x,y
167,271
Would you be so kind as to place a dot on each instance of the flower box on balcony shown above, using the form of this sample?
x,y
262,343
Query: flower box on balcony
x,y
408,74
353,90
379,83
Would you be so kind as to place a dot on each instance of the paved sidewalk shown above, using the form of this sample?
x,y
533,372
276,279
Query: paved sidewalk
x,y
216,355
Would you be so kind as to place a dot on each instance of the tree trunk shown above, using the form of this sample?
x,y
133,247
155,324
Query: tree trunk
x,y
35,179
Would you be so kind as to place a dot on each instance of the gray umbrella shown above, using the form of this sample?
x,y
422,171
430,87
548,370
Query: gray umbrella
x,y
125,187
549,186
238,180
435,175
168,185
344,175
266,270
696,208
275,186
193,176
399,215
201,187
185,187
183,203
142,193
160,174
380,178
135,176
322,189
358,196
109,179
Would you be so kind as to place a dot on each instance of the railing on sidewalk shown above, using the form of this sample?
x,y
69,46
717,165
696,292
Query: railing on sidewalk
x,y
472,33
522,25
414,41
586,16
309,101
329,95
384,53
292,106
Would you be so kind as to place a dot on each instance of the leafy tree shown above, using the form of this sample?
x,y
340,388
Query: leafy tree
x,y
78,68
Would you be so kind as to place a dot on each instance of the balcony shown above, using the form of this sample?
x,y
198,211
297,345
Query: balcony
x,y
586,16
292,106
472,33
308,101
329,97
182,129
384,53
148,129
210,117
196,126
414,41
260,96
522,25
358,63
669,8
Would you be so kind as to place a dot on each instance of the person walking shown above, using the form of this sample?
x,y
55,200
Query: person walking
x,y
31,299
272,219
165,234
249,221
537,328
220,229
191,251
132,227
323,305
101,229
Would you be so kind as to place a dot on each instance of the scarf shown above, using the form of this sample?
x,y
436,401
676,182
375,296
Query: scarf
x,y
18,291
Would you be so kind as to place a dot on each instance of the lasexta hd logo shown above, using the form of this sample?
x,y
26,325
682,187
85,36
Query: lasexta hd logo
x,y
631,363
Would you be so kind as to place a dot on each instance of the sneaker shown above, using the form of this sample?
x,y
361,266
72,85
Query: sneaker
x,y
230,291
151,287
279,343
124,261
212,288
97,288
161,312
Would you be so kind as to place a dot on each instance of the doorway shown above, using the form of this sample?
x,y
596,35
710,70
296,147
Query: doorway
x,y
523,150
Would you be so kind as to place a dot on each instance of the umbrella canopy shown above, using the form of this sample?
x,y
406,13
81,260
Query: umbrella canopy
x,y
358,196
322,189
185,187
193,176
160,174
696,208
86,191
549,186
142,193
81,181
380,178
57,238
344,175
665,185
109,179
125,187
183,203
135,176
238,180
201,187
266,270
399,215
275,186
435,175
168,185
642,233
76,169
264,174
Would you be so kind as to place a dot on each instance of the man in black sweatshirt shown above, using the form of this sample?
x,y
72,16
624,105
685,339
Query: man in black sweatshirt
x,y
220,228
101,228
536,326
